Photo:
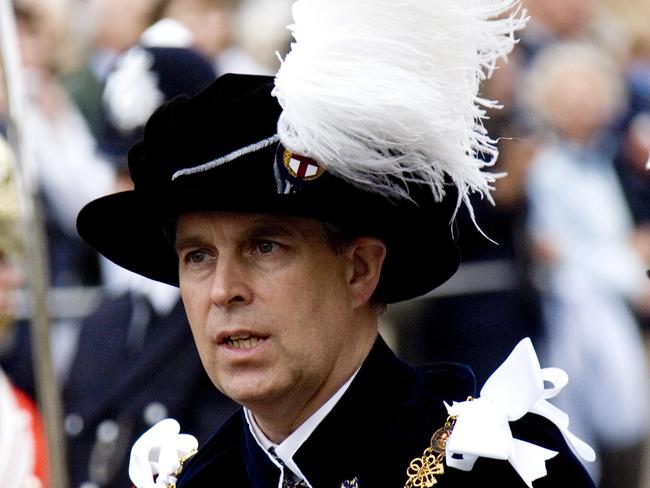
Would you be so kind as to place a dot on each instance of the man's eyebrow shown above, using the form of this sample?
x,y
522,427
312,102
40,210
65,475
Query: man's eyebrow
x,y
264,227
271,228
188,241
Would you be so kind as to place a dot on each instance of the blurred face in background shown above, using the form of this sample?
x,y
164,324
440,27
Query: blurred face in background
x,y
565,18
37,31
575,90
209,20
579,107
117,24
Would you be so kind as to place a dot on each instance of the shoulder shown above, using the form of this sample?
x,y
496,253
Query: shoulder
x,y
404,437
383,421
433,385
428,383
446,379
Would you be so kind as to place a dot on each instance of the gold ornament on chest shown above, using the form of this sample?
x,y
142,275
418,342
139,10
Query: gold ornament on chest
x,y
171,483
422,471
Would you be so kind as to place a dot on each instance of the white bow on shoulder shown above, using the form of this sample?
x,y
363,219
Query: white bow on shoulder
x,y
158,455
514,389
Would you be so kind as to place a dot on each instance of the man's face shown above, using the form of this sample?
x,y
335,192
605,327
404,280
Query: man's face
x,y
269,304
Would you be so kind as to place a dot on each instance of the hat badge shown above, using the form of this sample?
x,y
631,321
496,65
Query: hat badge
x,y
293,171
301,167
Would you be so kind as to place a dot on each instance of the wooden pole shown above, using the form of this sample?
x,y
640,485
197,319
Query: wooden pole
x,y
33,231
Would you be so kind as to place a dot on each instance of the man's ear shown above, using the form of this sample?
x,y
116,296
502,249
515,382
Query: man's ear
x,y
367,255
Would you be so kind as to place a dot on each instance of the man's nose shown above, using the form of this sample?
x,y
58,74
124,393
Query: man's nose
x,y
230,283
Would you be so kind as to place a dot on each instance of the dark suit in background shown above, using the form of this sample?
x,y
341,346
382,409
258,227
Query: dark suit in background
x,y
133,367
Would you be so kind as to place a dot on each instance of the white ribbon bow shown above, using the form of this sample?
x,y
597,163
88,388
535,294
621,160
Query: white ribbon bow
x,y
159,452
514,389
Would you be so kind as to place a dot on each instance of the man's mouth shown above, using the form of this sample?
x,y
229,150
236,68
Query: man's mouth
x,y
244,341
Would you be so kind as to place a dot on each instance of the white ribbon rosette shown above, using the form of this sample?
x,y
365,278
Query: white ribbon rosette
x,y
514,389
158,455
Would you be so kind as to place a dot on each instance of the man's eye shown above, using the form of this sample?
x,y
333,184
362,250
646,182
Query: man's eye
x,y
196,257
266,247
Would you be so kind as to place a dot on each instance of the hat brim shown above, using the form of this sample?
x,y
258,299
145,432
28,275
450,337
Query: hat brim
x,y
128,229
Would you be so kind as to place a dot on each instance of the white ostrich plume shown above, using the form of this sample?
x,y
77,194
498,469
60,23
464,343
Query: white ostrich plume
x,y
383,92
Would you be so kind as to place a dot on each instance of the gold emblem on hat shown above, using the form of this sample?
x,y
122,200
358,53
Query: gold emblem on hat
x,y
301,167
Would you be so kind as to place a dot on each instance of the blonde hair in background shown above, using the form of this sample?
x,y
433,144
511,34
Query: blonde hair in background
x,y
552,88
260,29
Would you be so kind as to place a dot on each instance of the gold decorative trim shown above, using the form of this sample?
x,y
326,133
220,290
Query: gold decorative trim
x,y
179,470
422,471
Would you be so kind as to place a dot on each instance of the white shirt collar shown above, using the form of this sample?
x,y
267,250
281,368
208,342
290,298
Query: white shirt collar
x,y
287,448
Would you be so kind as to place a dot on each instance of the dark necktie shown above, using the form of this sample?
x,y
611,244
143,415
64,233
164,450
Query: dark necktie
x,y
289,478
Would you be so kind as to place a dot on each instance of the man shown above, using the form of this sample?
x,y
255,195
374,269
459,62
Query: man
x,y
285,263
284,306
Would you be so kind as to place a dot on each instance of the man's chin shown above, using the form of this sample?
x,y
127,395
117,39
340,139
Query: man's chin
x,y
253,394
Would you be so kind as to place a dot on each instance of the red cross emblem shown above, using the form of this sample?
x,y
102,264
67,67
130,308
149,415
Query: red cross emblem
x,y
301,167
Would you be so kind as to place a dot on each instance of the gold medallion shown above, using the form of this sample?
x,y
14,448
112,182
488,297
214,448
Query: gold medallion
x,y
422,471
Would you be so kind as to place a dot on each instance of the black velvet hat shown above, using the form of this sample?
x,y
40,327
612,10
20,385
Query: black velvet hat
x,y
220,151
373,123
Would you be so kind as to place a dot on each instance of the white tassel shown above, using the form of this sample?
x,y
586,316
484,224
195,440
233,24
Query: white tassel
x,y
386,91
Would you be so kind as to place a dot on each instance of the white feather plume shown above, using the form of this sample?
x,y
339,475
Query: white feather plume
x,y
386,91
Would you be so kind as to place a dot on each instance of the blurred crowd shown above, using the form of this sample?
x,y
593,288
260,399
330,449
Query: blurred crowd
x,y
564,260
